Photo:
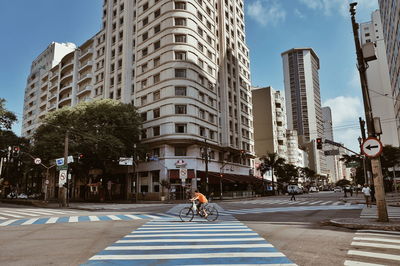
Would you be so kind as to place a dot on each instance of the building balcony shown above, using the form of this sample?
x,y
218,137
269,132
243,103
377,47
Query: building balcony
x,y
51,106
64,65
64,99
66,75
53,76
84,89
65,87
85,64
83,77
86,52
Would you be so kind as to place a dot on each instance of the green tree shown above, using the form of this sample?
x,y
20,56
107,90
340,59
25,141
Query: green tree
x,y
273,161
343,183
390,157
101,130
359,176
7,118
308,174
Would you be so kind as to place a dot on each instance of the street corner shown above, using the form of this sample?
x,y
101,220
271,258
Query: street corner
x,y
351,223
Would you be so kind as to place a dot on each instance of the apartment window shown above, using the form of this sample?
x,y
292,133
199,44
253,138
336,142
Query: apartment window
x,y
156,152
145,6
156,61
144,51
144,100
156,95
202,114
180,5
157,28
180,151
156,113
144,133
180,55
157,13
200,46
180,73
144,116
156,78
144,83
119,63
156,131
180,91
199,16
180,109
201,63
157,45
201,96
145,36
145,21
180,21
180,38
202,131
180,128
212,134
209,40
200,31
112,67
144,67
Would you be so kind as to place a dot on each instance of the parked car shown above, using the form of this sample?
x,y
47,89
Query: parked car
x,y
313,189
337,189
294,188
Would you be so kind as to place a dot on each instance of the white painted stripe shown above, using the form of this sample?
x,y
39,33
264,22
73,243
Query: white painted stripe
x,y
132,216
94,218
73,219
19,212
359,263
189,234
286,264
191,227
375,245
205,224
51,211
113,217
191,230
380,231
326,202
347,204
186,247
151,216
188,256
12,215
163,215
377,239
52,220
336,203
3,218
7,222
30,221
374,255
375,234
190,240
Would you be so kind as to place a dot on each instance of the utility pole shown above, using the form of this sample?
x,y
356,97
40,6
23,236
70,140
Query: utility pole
x,y
205,155
66,142
375,162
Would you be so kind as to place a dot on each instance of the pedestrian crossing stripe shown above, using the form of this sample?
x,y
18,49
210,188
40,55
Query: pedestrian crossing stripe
x,y
179,244
372,213
288,202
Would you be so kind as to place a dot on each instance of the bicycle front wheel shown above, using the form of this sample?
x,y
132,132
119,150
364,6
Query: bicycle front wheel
x,y
186,214
212,213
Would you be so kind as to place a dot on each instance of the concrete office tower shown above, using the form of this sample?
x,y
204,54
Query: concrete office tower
x,y
36,90
295,155
303,101
379,85
269,122
389,11
331,160
185,65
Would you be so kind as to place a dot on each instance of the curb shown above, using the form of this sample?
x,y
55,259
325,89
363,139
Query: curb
x,y
372,225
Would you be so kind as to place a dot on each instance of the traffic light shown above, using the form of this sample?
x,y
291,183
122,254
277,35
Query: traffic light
x,y
319,143
15,151
80,157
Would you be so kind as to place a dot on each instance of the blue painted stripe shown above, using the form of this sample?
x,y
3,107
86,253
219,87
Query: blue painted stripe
x,y
202,261
19,222
180,251
123,217
62,220
104,218
83,219
41,221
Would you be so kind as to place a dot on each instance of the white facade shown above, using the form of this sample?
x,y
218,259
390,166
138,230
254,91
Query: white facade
x,y
378,78
184,64
331,160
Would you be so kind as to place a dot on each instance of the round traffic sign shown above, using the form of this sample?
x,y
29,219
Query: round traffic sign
x,y
37,161
182,173
372,147
46,182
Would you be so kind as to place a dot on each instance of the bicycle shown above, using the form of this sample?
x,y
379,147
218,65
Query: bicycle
x,y
187,213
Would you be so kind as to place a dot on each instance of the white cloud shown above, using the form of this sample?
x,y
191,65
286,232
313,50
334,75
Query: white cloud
x,y
328,7
298,13
345,114
266,12
354,81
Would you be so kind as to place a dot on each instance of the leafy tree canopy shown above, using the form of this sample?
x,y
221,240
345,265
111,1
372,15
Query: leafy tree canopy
x,y
7,118
101,130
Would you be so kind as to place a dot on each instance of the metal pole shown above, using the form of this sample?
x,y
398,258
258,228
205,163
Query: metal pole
x,y
375,162
394,178
66,141
206,162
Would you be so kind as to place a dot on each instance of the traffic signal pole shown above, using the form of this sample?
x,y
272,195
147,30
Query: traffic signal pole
x,y
376,161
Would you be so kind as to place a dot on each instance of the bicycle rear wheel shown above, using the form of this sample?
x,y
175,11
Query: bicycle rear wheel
x,y
186,214
212,213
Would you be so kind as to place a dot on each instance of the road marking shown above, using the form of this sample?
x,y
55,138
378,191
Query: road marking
x,y
20,212
114,218
358,263
191,231
376,234
12,215
374,255
73,219
187,256
164,235
377,239
134,217
52,220
187,247
7,222
380,231
192,227
189,240
30,221
336,203
94,218
375,245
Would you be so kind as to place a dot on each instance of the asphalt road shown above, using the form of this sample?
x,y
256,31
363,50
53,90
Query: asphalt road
x,y
297,229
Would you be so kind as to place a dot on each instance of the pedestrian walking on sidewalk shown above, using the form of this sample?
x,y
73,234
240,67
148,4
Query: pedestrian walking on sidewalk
x,y
292,192
372,189
367,194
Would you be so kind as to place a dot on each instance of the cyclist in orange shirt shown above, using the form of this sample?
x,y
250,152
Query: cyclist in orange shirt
x,y
201,201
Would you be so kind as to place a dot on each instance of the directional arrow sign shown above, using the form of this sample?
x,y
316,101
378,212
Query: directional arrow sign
x,y
372,147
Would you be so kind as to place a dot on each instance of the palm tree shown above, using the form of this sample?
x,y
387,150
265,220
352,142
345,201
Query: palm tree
x,y
272,160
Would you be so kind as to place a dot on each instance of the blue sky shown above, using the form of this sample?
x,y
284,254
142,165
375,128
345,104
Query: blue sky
x,y
272,26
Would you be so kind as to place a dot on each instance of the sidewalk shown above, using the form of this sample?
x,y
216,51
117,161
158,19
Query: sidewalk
x,y
392,199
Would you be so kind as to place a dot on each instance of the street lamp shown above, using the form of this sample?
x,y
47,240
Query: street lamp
x,y
205,153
